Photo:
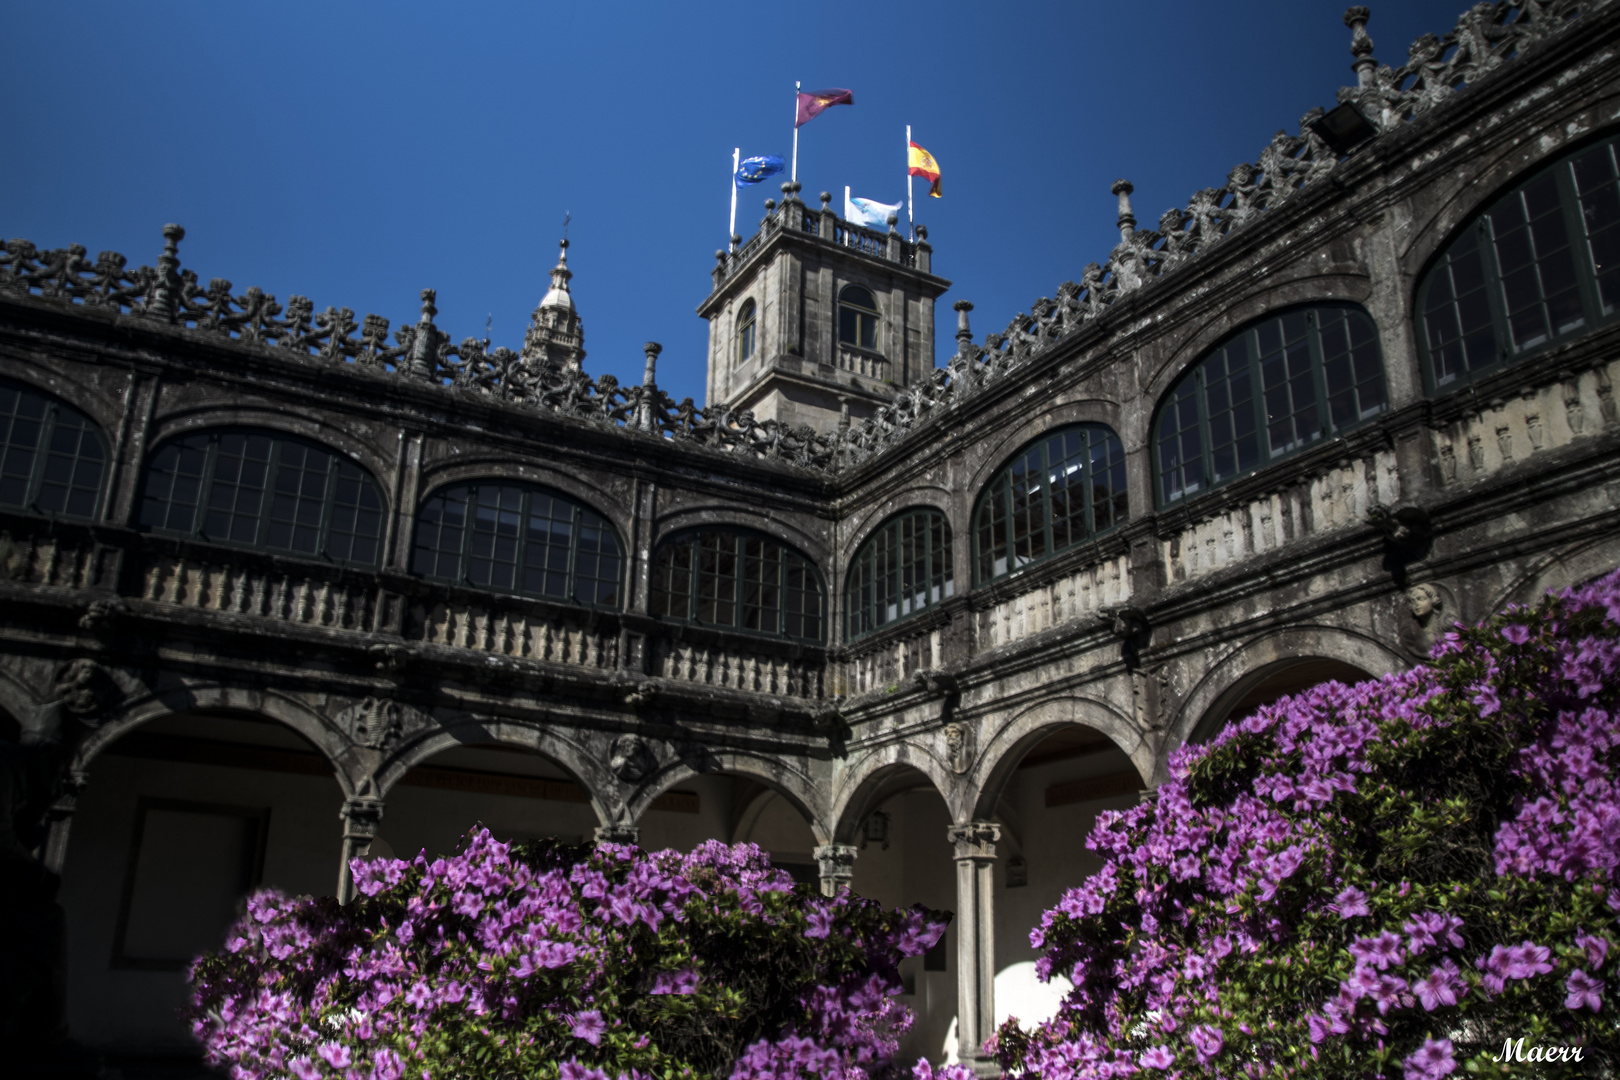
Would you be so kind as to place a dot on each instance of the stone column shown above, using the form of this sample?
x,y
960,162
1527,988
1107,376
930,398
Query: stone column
x,y
975,844
837,864
360,818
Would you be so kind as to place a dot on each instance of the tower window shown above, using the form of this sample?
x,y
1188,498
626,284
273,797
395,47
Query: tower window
x,y
746,324
51,454
858,318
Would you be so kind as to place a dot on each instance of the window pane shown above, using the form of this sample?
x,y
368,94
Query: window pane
x,y
902,568
51,455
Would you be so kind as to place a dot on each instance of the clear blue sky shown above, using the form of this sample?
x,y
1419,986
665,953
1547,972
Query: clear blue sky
x,y
357,153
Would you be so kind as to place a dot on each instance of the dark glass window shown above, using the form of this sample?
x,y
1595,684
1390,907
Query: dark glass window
x,y
52,456
518,538
1541,264
1056,493
902,568
738,580
858,318
266,490
745,332
1269,390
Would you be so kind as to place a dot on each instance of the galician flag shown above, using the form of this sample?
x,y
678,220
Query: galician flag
x,y
868,212
816,102
920,162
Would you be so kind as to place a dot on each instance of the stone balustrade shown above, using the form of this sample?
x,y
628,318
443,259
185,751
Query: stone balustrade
x,y
550,639
735,668
1078,595
288,597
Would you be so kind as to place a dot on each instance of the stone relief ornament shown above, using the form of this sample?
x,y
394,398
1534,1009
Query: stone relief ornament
x,y
959,747
631,759
86,689
380,723
1425,605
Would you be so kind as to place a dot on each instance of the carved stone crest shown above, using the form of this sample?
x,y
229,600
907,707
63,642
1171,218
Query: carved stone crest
x,y
631,759
379,723
85,689
959,750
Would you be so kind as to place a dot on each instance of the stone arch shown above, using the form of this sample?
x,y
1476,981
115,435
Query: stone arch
x,y
221,697
866,782
102,409
1569,566
1224,682
991,454
1332,285
1006,747
930,496
792,782
595,497
816,549
572,757
376,459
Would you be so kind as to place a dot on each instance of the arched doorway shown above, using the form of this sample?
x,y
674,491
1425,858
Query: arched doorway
x,y
180,817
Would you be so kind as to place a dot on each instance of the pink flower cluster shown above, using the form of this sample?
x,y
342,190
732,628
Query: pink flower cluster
x,y
1344,881
573,963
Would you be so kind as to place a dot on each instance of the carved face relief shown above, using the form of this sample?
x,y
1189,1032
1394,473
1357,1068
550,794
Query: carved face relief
x,y
1424,600
959,747
631,759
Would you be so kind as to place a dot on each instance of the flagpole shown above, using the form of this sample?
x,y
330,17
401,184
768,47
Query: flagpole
x,y
796,87
911,220
736,161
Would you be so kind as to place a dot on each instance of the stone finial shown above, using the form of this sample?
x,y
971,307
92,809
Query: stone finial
x,y
893,220
165,293
964,332
922,232
826,200
719,255
1127,219
1361,45
652,349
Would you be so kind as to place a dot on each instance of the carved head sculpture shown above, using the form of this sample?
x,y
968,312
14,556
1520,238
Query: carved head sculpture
x,y
85,689
1424,601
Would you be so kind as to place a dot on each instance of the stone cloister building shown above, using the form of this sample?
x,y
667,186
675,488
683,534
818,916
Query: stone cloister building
x,y
314,591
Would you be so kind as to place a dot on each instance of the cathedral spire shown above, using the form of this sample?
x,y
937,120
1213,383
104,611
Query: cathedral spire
x,y
556,336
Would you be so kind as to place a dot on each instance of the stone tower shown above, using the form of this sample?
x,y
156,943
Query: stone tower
x,y
814,314
556,337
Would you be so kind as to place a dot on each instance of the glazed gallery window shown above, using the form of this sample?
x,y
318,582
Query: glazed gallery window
x,y
1268,391
267,490
52,457
1540,265
746,324
738,580
901,569
858,319
1055,493
518,538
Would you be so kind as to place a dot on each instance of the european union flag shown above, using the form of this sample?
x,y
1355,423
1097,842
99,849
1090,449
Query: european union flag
x,y
755,169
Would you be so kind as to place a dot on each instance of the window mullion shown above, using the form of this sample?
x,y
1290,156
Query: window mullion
x,y
695,554
1492,270
205,485
1206,438
1257,399
576,523
1087,481
469,522
36,477
1313,338
328,499
1569,204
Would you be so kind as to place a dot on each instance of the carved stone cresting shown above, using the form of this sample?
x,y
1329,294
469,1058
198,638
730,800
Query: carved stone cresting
x,y
959,749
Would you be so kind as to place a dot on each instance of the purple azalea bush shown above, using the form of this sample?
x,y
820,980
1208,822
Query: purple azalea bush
x,y
1392,879
562,962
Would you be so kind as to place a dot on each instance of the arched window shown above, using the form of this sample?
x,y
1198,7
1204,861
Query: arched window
x,y
1056,493
267,490
518,538
52,456
904,567
1267,391
858,318
1541,264
745,331
737,580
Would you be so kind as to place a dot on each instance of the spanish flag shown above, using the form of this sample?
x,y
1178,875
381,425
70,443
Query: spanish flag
x,y
921,163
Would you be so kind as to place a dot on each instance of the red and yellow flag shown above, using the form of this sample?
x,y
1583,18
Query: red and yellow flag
x,y
921,163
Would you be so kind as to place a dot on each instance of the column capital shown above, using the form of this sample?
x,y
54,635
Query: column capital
x,y
974,839
618,834
836,863
361,816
